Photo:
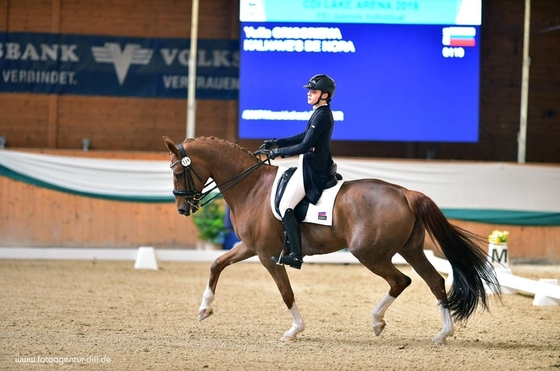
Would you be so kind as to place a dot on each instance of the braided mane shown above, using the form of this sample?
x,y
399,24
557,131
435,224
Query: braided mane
x,y
224,142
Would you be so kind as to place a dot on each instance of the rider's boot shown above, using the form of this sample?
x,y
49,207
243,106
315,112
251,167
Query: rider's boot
x,y
291,225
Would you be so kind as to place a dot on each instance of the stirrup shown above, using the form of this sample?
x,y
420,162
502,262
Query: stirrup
x,y
279,258
292,260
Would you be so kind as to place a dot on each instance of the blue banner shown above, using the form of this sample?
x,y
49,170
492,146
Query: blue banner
x,y
116,66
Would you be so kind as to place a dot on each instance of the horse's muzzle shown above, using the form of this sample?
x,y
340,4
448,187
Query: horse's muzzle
x,y
183,211
187,209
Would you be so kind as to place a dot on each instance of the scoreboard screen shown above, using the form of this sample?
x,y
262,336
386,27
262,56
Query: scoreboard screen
x,y
404,70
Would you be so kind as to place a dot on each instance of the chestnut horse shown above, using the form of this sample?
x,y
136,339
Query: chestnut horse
x,y
374,219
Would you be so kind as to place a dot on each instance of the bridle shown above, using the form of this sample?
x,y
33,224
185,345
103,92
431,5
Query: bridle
x,y
192,196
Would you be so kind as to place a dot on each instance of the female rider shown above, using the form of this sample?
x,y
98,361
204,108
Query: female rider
x,y
314,148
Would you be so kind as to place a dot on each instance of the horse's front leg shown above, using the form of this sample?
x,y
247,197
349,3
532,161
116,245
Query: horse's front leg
x,y
278,273
238,253
297,324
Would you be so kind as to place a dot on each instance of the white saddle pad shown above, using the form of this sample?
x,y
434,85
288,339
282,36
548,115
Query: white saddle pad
x,y
321,213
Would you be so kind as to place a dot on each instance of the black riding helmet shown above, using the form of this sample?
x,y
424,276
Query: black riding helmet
x,y
323,83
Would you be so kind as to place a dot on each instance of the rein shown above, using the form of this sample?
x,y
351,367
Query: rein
x,y
193,198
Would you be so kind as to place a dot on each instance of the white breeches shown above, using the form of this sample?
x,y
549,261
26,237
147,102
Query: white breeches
x,y
295,190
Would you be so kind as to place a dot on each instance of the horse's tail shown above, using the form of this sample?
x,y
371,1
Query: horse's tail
x,y
473,272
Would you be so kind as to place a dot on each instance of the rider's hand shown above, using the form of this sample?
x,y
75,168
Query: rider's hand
x,y
273,153
268,144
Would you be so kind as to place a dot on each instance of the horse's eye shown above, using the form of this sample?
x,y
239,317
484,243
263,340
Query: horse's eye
x,y
178,175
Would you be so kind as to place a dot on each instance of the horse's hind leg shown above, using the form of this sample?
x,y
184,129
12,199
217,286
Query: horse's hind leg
x,y
238,253
397,281
419,262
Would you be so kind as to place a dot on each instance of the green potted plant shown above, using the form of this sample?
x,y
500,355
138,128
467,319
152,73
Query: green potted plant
x,y
209,220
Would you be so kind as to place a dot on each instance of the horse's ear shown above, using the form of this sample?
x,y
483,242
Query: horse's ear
x,y
171,146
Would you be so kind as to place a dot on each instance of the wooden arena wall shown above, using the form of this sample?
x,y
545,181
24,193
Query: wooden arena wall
x,y
132,127
136,124
38,217
113,123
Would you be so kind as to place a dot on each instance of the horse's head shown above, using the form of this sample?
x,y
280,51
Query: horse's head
x,y
188,183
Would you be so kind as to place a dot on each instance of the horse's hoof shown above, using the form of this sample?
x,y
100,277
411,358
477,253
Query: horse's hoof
x,y
205,313
287,338
378,328
439,340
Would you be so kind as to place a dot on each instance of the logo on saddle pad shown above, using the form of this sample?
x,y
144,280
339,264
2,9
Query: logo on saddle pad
x,y
321,213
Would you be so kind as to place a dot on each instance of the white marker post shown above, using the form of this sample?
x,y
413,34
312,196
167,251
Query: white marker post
x,y
146,258
498,255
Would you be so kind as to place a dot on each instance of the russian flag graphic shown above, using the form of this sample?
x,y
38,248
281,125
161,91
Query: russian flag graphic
x,y
459,36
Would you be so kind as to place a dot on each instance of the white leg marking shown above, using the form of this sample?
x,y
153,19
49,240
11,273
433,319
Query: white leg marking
x,y
205,309
207,298
297,325
378,313
447,328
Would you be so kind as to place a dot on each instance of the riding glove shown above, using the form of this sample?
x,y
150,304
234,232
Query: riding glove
x,y
273,153
268,144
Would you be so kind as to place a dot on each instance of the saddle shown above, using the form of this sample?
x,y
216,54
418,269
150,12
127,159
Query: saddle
x,y
301,209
